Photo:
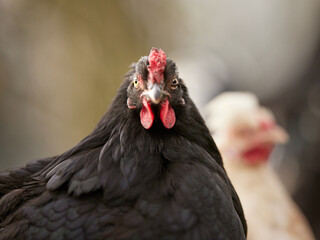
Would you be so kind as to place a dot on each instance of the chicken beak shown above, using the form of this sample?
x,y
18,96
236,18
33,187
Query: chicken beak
x,y
154,93
279,135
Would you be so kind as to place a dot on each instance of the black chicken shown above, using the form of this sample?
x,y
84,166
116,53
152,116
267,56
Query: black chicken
x,y
149,170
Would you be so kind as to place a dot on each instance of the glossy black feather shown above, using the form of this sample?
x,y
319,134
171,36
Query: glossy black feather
x,y
125,182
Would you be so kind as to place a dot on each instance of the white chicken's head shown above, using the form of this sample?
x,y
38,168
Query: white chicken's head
x,y
242,129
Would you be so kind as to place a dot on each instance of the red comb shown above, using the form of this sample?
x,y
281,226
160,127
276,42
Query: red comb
x,y
157,63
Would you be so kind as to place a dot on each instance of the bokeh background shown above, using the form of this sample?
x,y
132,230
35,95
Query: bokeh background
x,y
61,63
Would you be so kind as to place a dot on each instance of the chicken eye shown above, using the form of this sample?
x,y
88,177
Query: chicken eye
x,y
135,82
174,83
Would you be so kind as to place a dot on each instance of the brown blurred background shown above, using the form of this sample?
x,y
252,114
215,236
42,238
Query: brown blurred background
x,y
61,63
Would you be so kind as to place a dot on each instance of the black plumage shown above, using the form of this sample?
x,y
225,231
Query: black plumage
x,y
127,182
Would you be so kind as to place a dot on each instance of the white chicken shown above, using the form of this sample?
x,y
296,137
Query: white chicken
x,y
246,134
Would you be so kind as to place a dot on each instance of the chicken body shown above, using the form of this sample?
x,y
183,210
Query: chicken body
x,y
149,170
246,134
269,209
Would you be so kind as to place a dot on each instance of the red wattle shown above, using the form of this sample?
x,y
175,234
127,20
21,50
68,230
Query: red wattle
x,y
146,115
167,115
258,154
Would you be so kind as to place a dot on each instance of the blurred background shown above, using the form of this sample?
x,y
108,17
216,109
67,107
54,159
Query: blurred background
x,y
61,63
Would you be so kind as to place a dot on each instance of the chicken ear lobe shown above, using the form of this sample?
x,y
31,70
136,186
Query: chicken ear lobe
x,y
146,115
167,115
